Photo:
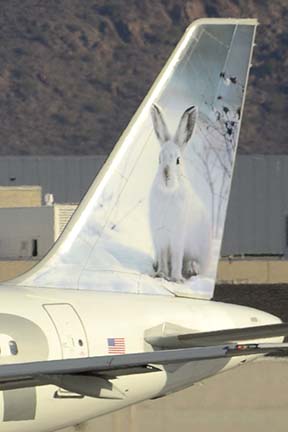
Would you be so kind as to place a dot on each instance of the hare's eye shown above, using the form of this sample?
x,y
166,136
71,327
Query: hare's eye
x,y
178,161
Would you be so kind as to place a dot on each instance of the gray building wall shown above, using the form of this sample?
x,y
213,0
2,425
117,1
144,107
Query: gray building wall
x,y
257,211
258,207
67,177
26,233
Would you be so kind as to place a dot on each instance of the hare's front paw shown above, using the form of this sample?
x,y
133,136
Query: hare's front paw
x,y
196,268
155,266
190,268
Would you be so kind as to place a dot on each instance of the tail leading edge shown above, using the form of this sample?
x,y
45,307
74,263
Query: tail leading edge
x,y
153,220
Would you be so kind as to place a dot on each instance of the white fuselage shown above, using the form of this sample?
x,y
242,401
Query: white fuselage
x,y
55,324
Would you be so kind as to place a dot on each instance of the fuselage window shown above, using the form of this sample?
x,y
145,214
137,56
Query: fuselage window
x,y
8,347
13,347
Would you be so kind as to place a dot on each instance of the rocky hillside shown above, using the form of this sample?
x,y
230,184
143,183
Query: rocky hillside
x,y
72,72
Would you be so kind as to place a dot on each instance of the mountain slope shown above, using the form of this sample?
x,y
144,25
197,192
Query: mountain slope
x,y
72,72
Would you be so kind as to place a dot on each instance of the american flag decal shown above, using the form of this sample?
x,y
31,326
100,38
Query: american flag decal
x,y
116,345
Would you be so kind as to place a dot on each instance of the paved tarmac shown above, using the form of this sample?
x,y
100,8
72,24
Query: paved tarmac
x,y
252,397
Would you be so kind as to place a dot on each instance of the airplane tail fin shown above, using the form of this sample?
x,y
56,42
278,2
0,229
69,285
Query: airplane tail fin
x,y
153,220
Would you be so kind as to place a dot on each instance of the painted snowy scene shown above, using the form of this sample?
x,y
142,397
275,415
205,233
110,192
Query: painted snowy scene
x,y
155,221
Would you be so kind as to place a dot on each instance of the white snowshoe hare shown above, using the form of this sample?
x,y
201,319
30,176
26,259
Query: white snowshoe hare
x,y
179,222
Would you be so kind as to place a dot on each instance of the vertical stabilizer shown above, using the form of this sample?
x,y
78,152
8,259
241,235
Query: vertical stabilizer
x,y
153,220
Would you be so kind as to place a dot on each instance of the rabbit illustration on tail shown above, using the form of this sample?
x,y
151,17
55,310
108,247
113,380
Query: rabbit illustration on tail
x,y
180,226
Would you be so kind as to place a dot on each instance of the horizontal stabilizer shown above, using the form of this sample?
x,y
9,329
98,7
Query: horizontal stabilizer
x,y
70,371
190,340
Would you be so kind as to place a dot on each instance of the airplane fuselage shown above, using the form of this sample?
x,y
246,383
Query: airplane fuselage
x,y
46,324
111,243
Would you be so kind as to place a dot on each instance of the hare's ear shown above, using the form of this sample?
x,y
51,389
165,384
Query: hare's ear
x,y
186,126
159,124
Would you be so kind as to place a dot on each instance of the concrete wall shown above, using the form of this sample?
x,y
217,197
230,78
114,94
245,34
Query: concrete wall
x,y
11,269
20,228
20,196
253,397
258,207
255,271
236,271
